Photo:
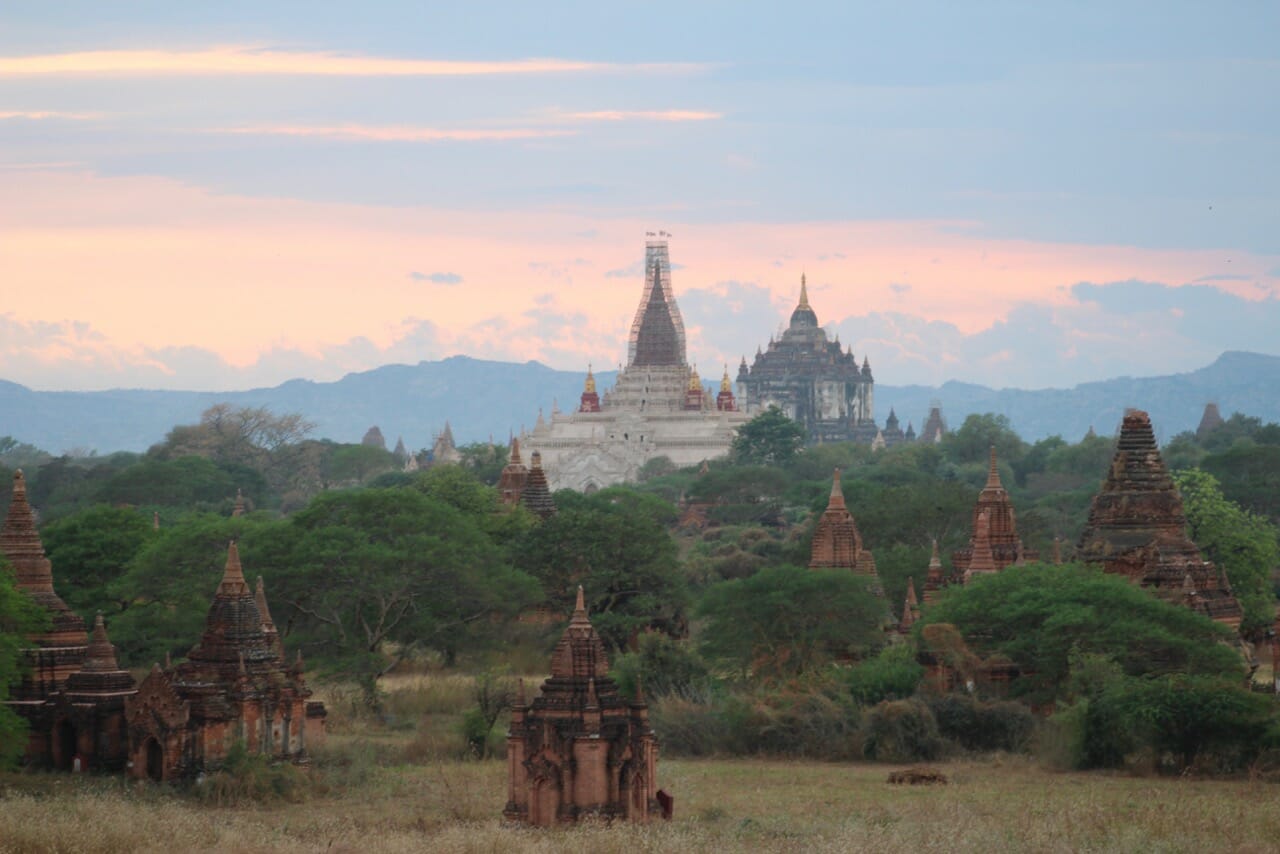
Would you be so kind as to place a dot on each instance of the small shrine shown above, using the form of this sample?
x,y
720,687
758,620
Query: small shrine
x,y
579,749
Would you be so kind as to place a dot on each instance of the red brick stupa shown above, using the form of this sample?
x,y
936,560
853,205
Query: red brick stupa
x,y
89,721
234,687
54,654
514,475
837,543
579,750
1137,528
536,495
1002,529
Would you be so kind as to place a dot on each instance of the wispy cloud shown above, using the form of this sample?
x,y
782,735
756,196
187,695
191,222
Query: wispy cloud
x,y
258,60
436,278
37,115
643,116
400,133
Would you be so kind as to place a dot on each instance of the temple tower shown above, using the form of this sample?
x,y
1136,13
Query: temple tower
x,y
536,496
514,476
54,654
1002,527
837,543
590,401
1137,528
234,687
89,728
934,580
579,750
657,333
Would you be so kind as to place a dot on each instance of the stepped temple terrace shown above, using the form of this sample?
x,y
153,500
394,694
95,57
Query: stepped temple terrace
x,y
579,750
1137,528
658,406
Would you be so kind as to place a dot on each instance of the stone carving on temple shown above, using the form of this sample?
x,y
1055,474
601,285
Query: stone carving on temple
x,y
579,750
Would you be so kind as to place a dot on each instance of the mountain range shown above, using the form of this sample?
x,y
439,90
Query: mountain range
x,y
482,399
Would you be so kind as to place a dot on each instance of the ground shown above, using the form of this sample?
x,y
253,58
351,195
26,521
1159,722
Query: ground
x,y
721,805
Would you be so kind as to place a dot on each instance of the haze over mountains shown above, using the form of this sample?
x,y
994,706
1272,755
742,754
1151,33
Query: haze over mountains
x,y
484,398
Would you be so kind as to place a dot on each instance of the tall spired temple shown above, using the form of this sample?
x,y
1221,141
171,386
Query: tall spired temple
x,y
579,750
837,544
72,695
234,687
995,543
1137,528
812,380
658,406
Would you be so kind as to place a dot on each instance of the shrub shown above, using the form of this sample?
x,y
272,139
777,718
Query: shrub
x,y
901,731
977,726
252,778
891,675
663,666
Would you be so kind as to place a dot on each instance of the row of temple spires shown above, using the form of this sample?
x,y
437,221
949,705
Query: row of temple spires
x,y
1137,528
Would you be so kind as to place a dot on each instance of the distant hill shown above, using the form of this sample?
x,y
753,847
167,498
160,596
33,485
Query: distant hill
x,y
482,398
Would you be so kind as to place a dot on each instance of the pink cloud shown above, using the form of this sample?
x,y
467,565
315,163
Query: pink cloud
x,y
385,133
154,263
257,60
644,115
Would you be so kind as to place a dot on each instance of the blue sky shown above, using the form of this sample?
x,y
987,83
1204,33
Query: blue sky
x,y
949,174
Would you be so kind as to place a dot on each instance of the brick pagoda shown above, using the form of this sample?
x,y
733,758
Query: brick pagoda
x,y
1001,535
579,750
234,687
1137,528
837,543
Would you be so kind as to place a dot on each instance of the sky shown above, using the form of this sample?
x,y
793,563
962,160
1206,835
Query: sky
x,y
230,195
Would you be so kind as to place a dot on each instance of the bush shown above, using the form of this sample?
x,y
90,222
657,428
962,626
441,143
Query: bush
x,y
901,731
663,666
252,778
981,727
891,675
811,725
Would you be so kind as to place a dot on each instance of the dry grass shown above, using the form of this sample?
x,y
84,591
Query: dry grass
x,y
720,805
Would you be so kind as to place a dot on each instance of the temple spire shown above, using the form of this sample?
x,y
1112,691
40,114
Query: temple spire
x,y
804,292
101,655
836,500
233,583
993,471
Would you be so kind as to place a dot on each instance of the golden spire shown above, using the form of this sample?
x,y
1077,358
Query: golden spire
x,y
695,384
804,292
725,385
590,386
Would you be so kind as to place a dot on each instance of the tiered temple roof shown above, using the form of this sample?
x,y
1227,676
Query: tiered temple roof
x,y
837,543
1209,421
935,426
579,749
811,378
514,476
1137,528
1003,543
57,652
537,494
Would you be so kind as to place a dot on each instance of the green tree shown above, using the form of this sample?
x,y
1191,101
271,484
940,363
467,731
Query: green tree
x,y
786,621
485,461
769,439
1250,476
972,442
355,465
91,550
372,575
614,544
1240,543
165,592
19,618
1040,616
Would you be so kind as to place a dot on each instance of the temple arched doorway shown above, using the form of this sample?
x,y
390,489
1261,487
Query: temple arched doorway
x,y
64,745
155,760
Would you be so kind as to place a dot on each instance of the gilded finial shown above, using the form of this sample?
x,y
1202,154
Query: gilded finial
x,y
804,291
590,385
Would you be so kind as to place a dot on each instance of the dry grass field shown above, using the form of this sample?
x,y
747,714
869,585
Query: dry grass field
x,y
998,805
398,785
